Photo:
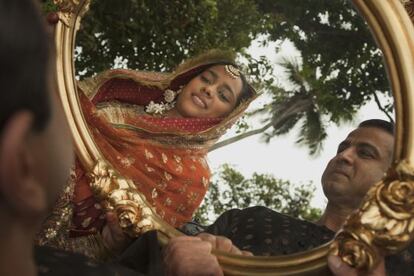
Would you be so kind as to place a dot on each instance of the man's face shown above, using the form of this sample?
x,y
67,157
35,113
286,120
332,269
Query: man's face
x,y
213,93
361,161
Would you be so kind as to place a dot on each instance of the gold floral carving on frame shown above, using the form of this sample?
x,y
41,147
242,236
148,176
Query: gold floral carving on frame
x,y
409,6
385,221
71,8
383,224
120,196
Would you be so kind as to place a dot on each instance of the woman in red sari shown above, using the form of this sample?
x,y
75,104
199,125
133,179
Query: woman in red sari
x,y
155,129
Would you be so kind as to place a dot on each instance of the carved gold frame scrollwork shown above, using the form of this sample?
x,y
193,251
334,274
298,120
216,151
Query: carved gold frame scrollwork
x,y
119,193
385,221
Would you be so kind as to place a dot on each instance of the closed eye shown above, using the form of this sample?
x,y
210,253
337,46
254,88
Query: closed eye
x,y
368,151
365,153
205,79
223,96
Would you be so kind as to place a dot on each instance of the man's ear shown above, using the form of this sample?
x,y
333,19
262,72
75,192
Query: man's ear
x,y
19,185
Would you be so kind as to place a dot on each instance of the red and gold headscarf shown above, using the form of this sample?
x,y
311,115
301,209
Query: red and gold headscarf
x,y
165,157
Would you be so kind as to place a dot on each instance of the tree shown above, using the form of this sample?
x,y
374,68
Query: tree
x,y
233,190
340,75
341,70
333,39
290,106
158,35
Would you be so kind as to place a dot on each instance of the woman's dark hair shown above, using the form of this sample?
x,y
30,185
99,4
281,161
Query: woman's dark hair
x,y
246,91
24,62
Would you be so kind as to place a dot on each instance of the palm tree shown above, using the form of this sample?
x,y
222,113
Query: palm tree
x,y
299,104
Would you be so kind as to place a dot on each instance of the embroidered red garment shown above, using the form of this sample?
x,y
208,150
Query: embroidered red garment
x,y
174,178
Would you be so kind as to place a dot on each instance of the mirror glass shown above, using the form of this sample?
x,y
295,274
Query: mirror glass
x,y
315,64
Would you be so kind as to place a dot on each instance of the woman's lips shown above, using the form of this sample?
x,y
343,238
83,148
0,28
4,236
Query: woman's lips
x,y
199,102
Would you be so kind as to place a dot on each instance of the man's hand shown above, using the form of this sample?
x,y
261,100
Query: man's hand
x,y
113,237
190,256
223,244
339,268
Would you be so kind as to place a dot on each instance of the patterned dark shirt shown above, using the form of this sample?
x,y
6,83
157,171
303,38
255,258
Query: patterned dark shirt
x,y
265,232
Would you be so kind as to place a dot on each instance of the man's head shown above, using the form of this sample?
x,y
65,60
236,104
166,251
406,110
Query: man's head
x,y
361,161
35,148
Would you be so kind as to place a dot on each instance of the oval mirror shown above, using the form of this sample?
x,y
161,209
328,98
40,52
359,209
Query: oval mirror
x,y
303,82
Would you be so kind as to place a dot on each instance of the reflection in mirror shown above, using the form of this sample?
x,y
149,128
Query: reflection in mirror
x,y
316,64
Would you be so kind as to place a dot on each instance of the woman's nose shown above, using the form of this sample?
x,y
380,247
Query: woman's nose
x,y
207,91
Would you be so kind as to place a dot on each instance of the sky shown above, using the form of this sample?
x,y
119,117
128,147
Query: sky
x,y
286,160
282,157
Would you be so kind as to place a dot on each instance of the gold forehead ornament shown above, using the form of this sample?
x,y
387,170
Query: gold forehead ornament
x,y
232,71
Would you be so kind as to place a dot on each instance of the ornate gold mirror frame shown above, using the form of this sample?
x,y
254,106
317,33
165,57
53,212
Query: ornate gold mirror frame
x,y
385,220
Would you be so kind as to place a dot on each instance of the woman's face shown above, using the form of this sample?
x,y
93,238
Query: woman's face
x,y
212,94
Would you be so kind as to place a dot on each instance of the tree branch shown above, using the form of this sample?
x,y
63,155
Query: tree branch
x,y
377,101
296,107
239,137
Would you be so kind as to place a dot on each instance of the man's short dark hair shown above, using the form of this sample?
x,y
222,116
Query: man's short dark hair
x,y
24,61
378,123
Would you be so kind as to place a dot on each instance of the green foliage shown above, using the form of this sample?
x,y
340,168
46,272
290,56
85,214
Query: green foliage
x,y
233,190
340,68
49,6
334,39
158,35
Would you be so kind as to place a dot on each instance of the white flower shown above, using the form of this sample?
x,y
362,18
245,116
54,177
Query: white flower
x,y
169,106
150,107
158,108
169,95
154,108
